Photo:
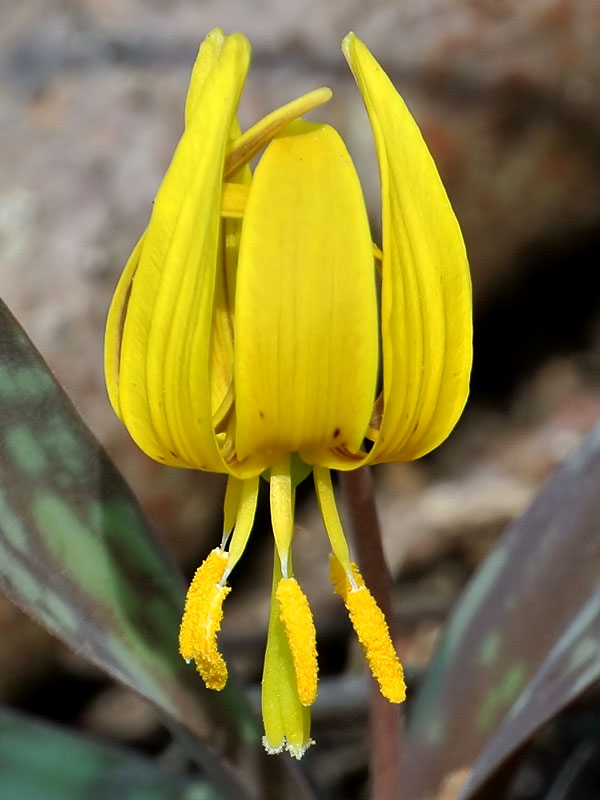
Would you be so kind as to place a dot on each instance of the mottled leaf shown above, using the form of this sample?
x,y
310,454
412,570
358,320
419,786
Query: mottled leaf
x,y
77,555
524,639
572,666
43,762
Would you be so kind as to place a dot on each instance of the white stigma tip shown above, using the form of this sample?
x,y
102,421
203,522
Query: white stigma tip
x,y
272,751
295,750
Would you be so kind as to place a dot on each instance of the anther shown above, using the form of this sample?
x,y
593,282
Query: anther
x,y
299,627
372,631
202,620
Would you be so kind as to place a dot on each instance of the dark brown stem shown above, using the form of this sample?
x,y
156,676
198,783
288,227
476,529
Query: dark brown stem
x,y
386,720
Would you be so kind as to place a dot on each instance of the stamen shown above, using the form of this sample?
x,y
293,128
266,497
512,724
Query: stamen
x,y
330,516
297,619
246,146
287,721
372,631
244,520
341,580
230,507
282,509
202,620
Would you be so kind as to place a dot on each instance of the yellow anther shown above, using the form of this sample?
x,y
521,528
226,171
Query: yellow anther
x,y
297,619
209,662
202,620
339,578
372,631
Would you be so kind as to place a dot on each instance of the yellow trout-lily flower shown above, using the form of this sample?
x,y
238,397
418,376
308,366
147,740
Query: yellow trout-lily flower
x,y
244,336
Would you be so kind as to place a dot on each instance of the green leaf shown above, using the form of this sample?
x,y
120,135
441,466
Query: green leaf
x,y
524,640
77,555
43,762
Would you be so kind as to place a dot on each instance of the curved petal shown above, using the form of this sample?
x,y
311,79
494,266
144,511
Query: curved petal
x,y
305,311
115,322
426,289
165,376
208,55
221,361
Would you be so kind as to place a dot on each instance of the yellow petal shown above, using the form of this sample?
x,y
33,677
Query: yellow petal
x,y
165,383
305,310
208,55
221,357
426,289
242,147
246,146
114,328
233,200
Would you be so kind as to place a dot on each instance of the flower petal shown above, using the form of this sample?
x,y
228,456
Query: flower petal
x,y
426,289
208,56
246,146
221,357
114,327
165,401
305,310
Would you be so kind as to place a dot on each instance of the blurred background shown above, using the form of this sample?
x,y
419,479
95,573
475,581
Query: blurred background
x,y
507,95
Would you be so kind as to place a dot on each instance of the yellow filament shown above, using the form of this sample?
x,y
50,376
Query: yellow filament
x,y
297,619
282,509
372,631
233,492
202,620
244,521
330,516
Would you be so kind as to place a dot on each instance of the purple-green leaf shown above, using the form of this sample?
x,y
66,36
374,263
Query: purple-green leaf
x,y
77,555
524,640
44,762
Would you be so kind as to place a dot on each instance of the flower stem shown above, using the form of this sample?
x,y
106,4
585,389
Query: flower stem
x,y
386,719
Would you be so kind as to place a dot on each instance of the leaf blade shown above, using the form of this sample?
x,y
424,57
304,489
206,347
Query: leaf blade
x,y
44,762
499,645
77,555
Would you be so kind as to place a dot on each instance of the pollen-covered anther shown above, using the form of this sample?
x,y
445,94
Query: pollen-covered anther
x,y
202,620
372,631
339,579
299,627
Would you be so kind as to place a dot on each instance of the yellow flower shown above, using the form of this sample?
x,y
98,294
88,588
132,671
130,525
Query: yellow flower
x,y
243,337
